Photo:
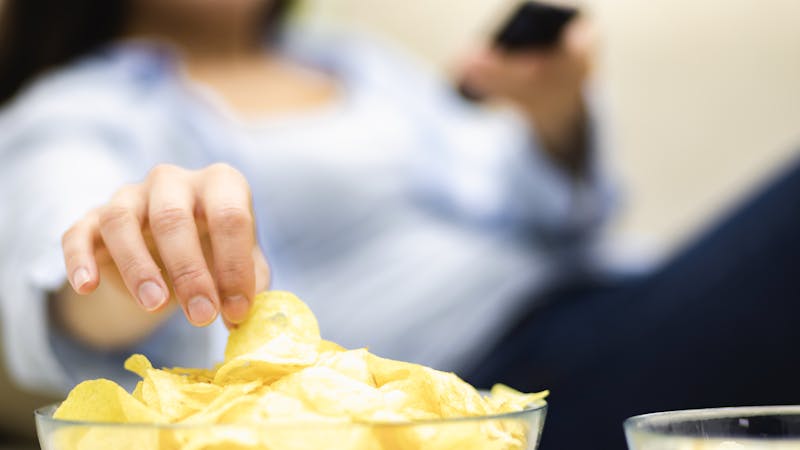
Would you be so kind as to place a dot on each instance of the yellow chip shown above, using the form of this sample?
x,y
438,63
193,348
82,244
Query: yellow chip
x,y
328,346
275,315
385,370
448,436
317,436
175,396
178,397
331,393
351,363
280,336
99,438
227,399
104,401
455,397
265,366
138,364
300,391
196,375
506,399
440,393
137,391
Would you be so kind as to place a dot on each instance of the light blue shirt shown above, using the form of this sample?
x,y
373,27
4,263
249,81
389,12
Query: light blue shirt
x,y
410,221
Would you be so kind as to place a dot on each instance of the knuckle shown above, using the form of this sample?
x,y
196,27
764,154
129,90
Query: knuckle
x,y
226,171
72,259
69,236
186,273
222,169
230,219
163,170
133,269
168,220
235,271
76,234
112,217
126,190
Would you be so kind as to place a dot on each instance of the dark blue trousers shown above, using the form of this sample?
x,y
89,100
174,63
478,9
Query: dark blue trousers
x,y
719,325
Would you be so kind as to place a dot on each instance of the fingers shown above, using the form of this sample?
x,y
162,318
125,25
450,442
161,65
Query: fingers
x,y
120,226
226,204
78,246
169,203
581,43
494,72
172,223
262,277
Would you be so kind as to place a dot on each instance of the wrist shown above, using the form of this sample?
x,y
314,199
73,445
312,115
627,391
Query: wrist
x,y
105,320
561,131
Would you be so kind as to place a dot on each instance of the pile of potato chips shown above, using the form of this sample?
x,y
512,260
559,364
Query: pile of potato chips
x,y
283,387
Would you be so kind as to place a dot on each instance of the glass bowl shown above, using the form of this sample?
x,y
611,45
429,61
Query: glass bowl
x,y
511,431
745,428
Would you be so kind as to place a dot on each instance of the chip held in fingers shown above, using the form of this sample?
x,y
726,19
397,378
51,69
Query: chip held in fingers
x,y
278,370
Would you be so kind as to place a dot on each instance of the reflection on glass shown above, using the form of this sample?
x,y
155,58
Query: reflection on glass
x,y
748,428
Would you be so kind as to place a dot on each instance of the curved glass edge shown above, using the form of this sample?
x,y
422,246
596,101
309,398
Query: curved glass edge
x,y
649,424
654,419
535,409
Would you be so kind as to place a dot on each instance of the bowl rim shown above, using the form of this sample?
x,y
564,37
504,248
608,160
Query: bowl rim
x,y
647,423
538,408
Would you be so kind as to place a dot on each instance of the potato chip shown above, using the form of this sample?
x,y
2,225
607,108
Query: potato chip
x,y
449,436
323,389
275,315
385,370
506,399
351,363
175,396
197,375
455,397
227,399
299,390
328,346
138,364
280,336
104,401
264,365
320,435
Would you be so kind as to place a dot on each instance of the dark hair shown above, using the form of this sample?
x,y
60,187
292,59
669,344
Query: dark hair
x,y
37,35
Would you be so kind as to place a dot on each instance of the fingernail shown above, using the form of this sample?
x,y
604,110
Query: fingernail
x,y
201,311
80,277
236,307
151,296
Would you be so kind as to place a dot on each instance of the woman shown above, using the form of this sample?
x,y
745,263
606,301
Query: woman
x,y
410,221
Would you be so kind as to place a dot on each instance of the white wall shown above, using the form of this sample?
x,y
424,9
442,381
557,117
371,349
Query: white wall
x,y
704,94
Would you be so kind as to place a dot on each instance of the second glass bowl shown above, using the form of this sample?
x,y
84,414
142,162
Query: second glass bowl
x,y
745,428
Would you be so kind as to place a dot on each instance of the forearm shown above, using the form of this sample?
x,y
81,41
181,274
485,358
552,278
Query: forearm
x,y
563,134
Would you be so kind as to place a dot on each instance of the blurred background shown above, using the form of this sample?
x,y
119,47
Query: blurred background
x,y
704,96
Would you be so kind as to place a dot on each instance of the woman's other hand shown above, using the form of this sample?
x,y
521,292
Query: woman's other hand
x,y
183,235
546,85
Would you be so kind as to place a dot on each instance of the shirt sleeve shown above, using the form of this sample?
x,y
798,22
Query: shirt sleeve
x,y
490,168
486,165
48,181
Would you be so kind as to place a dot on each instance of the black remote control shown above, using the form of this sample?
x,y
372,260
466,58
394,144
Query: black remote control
x,y
533,26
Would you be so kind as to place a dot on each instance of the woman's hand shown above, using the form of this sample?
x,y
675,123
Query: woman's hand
x,y
546,85
187,235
